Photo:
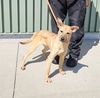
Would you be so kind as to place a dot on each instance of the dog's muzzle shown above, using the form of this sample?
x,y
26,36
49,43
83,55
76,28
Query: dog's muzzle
x,y
62,39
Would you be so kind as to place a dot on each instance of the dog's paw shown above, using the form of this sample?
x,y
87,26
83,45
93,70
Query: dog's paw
x,y
62,72
22,68
48,80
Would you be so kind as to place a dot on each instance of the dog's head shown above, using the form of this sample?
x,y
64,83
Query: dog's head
x,y
65,31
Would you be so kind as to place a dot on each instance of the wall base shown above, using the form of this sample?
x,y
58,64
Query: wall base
x,y
28,35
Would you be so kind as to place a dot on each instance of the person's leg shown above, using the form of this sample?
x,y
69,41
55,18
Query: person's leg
x,y
76,13
60,11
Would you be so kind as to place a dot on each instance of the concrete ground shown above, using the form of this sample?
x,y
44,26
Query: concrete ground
x,y
83,81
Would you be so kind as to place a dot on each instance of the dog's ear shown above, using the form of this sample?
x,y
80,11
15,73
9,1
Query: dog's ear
x,y
74,28
59,22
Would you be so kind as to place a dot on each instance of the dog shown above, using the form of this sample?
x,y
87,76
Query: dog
x,y
56,43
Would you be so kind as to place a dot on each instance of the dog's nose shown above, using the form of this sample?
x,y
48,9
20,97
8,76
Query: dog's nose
x,y
62,38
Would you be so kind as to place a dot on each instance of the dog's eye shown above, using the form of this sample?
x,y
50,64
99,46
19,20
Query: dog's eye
x,y
67,33
61,31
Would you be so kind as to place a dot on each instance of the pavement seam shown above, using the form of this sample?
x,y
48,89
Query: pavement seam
x,y
15,71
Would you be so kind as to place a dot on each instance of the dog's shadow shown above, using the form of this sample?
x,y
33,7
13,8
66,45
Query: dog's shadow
x,y
41,58
87,45
65,68
38,58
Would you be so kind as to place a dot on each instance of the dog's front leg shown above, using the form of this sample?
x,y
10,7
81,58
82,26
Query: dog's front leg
x,y
61,61
47,70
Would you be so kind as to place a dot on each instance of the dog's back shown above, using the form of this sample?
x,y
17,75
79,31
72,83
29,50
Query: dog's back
x,y
43,35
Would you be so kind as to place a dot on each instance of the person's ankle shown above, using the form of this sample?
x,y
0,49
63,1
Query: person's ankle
x,y
71,61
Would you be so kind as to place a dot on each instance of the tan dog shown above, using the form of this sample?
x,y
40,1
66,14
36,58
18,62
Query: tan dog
x,y
57,43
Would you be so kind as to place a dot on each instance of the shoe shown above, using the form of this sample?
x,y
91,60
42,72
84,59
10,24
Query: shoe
x,y
71,62
56,60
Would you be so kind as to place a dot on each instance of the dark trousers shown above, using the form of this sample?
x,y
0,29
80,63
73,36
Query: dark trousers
x,y
76,10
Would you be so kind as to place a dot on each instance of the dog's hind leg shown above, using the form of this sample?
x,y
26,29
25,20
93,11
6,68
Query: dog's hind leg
x,y
31,49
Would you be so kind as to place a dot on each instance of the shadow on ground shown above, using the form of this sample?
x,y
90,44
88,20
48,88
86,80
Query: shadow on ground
x,y
65,68
38,58
87,45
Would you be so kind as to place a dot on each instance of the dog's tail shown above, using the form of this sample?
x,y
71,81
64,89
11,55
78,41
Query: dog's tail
x,y
26,42
29,40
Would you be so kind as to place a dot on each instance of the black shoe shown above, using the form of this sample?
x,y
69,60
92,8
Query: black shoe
x,y
71,62
56,60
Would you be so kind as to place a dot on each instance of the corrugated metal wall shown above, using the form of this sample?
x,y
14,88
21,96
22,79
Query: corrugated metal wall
x,y
32,15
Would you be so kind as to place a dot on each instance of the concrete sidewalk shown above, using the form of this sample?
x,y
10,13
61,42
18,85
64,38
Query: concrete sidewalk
x,y
83,81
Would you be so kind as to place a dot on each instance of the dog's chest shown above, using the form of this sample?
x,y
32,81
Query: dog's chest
x,y
62,48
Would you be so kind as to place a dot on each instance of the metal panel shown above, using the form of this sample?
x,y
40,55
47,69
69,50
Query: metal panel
x,y
44,15
93,16
87,19
7,23
23,15
32,15
98,16
49,25
37,15
15,16
29,15
66,20
0,17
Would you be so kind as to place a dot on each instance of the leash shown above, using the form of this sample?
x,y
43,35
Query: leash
x,y
55,18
